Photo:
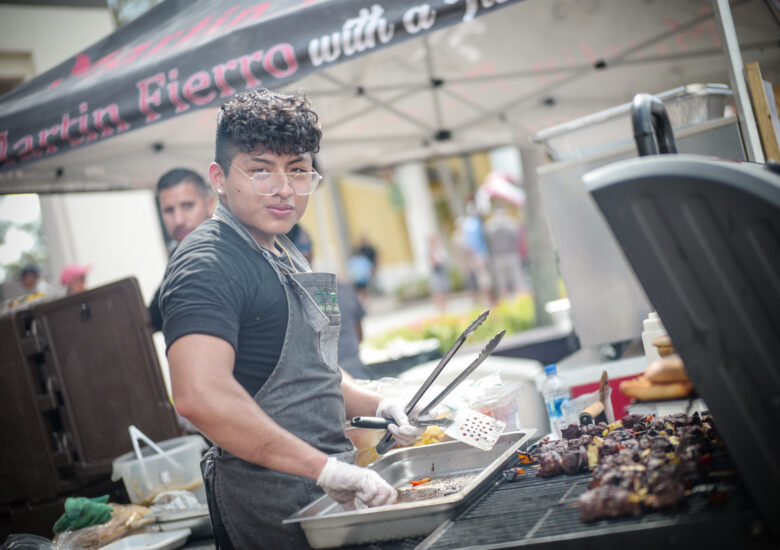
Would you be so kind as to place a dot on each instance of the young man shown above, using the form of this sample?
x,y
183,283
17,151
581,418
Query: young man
x,y
185,202
251,335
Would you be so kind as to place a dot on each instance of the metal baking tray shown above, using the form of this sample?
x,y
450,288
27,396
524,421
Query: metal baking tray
x,y
327,524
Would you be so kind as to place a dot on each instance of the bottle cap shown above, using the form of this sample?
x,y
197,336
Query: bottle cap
x,y
551,369
653,322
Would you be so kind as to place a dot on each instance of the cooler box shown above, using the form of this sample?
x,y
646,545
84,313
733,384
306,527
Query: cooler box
x,y
77,371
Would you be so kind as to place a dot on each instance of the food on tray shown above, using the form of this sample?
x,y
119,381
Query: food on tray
x,y
416,482
663,379
432,434
642,463
433,488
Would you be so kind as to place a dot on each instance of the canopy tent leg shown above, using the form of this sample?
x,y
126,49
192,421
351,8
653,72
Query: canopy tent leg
x,y
747,121
542,265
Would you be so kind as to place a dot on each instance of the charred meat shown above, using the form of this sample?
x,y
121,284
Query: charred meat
x,y
637,463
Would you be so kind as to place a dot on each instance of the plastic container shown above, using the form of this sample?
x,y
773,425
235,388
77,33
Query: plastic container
x,y
177,468
557,398
653,328
501,403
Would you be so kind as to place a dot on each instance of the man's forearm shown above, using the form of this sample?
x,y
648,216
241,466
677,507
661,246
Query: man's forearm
x,y
206,393
241,427
359,401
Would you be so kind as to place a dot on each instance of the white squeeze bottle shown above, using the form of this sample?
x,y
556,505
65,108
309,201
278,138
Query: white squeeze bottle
x,y
653,327
556,397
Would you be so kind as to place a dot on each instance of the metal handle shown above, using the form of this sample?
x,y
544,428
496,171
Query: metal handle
x,y
651,123
592,414
378,422
373,422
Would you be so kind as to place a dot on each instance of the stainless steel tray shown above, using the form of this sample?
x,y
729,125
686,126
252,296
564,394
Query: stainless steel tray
x,y
327,524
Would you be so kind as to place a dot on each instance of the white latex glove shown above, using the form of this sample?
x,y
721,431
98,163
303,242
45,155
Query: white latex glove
x,y
404,433
345,482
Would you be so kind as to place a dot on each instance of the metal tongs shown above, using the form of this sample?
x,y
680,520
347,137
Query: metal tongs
x,y
387,440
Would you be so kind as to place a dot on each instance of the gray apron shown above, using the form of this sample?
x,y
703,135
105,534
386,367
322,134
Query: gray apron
x,y
303,395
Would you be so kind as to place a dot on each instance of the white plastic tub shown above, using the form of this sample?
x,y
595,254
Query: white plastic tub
x,y
178,468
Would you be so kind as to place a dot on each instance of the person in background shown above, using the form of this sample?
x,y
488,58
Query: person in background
x,y
31,281
350,308
74,278
351,333
471,247
368,250
360,271
503,238
440,277
25,287
252,335
185,202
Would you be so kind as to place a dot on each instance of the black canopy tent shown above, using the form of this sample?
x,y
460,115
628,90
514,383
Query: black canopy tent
x,y
442,77
183,56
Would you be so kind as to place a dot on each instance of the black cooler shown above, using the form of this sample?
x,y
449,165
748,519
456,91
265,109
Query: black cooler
x,y
76,372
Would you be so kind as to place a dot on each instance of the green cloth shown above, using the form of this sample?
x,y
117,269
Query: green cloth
x,y
82,512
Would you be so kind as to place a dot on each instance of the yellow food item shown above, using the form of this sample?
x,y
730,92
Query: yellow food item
x,y
434,434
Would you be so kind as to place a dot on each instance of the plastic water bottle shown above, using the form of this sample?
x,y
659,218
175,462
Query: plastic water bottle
x,y
556,397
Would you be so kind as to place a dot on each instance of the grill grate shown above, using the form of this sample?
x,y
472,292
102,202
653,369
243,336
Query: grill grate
x,y
532,511
403,544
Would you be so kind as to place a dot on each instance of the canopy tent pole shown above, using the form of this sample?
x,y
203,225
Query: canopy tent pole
x,y
543,271
746,119
435,83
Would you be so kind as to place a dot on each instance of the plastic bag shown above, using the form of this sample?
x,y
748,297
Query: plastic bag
x,y
30,542
174,500
125,518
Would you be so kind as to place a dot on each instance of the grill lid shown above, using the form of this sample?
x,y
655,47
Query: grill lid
x,y
704,240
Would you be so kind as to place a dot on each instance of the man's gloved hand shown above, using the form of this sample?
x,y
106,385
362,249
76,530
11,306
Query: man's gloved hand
x,y
404,433
344,482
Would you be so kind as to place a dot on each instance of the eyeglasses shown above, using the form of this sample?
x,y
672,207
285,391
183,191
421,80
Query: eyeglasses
x,y
269,183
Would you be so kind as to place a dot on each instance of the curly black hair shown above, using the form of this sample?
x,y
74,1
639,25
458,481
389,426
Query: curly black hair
x,y
282,124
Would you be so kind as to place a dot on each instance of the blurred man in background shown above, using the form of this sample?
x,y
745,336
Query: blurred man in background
x,y
503,234
185,202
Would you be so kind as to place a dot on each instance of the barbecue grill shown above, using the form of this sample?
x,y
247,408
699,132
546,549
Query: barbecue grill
x,y
535,512
704,240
